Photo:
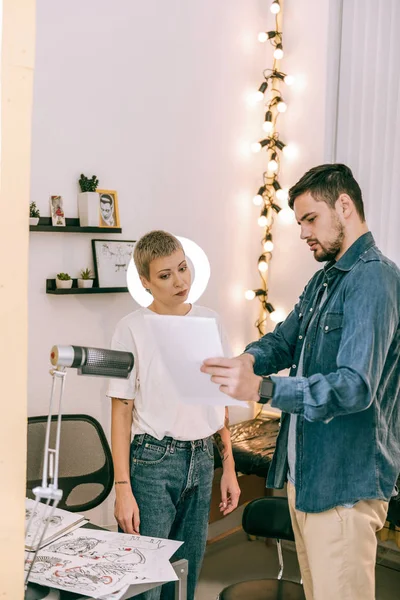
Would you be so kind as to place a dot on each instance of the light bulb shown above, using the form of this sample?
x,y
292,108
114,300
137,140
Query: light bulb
x,y
282,194
278,315
257,200
275,7
256,147
289,79
273,166
268,246
263,37
258,96
278,53
262,221
249,294
263,266
286,216
281,106
268,126
290,151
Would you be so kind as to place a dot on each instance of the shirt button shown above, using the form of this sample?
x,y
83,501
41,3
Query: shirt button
x,y
300,337
300,314
326,327
294,366
325,284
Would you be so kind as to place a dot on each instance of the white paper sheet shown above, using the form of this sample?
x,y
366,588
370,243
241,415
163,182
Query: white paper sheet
x,y
97,563
60,523
183,345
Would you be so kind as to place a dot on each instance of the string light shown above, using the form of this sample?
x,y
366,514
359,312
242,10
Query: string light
x,y
278,52
275,7
271,196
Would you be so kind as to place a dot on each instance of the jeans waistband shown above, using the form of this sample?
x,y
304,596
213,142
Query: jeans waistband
x,y
170,441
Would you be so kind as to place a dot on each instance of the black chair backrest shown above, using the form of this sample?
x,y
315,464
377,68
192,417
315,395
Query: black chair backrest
x,y
86,473
268,517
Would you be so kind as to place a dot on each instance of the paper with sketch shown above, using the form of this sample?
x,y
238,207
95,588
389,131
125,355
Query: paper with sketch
x,y
60,522
97,563
183,345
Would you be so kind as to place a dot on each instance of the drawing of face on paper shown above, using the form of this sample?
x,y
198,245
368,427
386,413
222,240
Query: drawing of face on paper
x,y
75,547
54,521
125,559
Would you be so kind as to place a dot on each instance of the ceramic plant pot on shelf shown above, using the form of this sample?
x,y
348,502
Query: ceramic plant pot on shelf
x,y
85,283
63,284
33,220
88,209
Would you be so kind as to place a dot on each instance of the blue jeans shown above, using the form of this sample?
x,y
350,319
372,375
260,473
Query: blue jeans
x,y
171,481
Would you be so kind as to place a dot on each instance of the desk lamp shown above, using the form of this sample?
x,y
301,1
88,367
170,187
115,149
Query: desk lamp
x,y
89,361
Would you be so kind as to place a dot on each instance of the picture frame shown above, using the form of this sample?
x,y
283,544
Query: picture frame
x,y
108,209
57,211
111,260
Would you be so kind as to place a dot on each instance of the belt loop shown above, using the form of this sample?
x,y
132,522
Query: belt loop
x,y
204,443
172,446
139,439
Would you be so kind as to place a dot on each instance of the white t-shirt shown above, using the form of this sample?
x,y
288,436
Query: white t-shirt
x,y
158,410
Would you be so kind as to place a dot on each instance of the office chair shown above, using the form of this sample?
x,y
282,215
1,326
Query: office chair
x,y
267,517
86,472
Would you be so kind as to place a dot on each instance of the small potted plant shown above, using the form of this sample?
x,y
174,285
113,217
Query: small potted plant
x,y
86,279
88,201
34,214
63,281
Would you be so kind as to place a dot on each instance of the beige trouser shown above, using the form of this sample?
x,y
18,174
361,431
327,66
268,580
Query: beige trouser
x,y
337,549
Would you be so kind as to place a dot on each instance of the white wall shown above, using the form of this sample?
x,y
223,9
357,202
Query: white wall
x,y
152,98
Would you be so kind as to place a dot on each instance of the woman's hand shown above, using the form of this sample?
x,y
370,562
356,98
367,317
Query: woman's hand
x,y
126,509
230,492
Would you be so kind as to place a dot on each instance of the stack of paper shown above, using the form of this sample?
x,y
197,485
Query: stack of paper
x,y
100,563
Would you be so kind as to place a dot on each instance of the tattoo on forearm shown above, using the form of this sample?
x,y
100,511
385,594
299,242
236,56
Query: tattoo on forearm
x,y
120,482
221,446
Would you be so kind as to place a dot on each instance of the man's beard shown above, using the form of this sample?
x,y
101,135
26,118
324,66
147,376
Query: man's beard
x,y
332,249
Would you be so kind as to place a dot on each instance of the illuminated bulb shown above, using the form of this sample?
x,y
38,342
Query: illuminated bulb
x,y
262,221
290,151
286,216
289,79
263,37
275,7
268,246
281,106
268,126
278,315
249,294
257,200
272,166
263,266
278,53
282,194
256,147
258,96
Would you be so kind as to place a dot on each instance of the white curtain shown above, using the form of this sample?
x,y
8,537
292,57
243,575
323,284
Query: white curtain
x,y
368,112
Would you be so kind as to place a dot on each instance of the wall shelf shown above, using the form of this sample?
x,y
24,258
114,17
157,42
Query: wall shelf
x,y
51,289
72,226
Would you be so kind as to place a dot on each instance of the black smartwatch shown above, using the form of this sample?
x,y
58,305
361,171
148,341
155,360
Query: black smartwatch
x,y
266,389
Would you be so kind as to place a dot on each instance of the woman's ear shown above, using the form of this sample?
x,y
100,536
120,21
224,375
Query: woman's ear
x,y
145,284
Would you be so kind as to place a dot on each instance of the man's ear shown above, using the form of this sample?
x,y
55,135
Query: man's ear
x,y
345,205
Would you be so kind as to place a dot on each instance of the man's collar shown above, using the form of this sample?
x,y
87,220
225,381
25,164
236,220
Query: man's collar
x,y
351,256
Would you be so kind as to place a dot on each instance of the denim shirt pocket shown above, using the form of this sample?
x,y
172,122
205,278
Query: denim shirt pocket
x,y
330,335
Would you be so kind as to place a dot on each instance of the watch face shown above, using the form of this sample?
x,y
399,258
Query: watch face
x,y
267,388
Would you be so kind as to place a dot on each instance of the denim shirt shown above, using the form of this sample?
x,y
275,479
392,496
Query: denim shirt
x,y
348,399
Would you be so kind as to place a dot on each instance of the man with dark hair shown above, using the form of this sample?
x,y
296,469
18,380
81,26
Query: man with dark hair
x,y
339,440
107,209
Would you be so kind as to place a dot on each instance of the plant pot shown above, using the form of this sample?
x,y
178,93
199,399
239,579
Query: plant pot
x,y
63,284
33,220
85,283
89,209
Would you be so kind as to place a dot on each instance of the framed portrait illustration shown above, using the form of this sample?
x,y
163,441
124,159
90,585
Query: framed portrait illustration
x,y
57,211
108,208
111,260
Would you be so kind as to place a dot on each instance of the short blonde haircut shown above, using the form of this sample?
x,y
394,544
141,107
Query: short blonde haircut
x,y
152,245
